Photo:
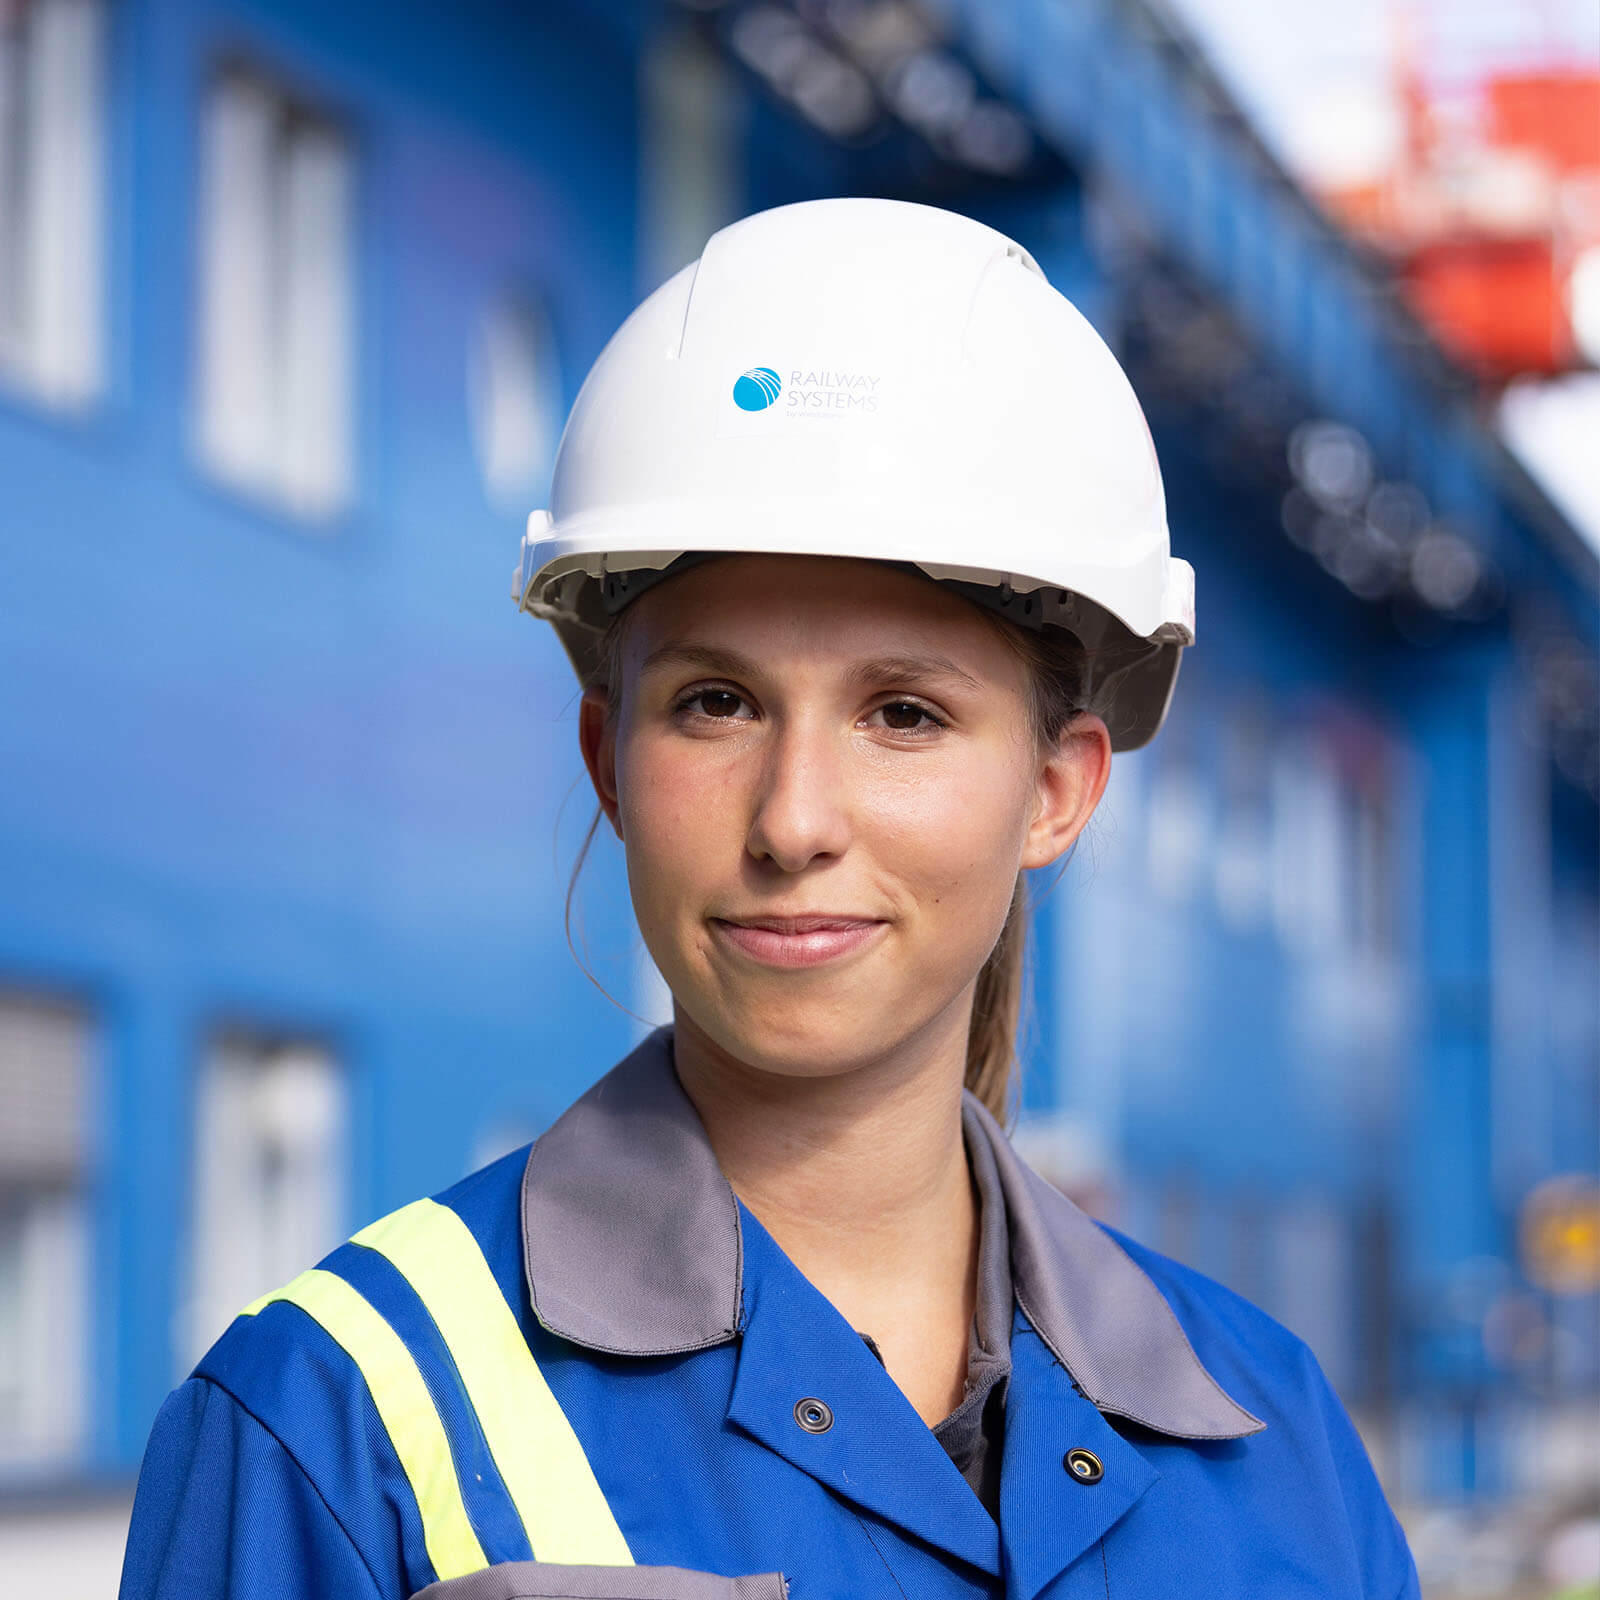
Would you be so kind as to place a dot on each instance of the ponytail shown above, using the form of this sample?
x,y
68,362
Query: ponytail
x,y
997,1011
1059,669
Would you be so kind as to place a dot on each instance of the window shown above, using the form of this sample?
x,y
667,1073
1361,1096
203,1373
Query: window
x,y
514,386
45,1160
1333,846
1309,848
51,159
1373,909
274,350
1178,824
270,1131
1240,853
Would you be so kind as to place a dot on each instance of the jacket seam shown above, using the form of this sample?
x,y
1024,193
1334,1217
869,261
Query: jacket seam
x,y
300,1468
862,1524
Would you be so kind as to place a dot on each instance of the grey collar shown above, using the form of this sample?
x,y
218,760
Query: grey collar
x,y
632,1245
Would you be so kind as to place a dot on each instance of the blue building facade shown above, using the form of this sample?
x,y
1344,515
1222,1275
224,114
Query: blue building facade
x,y
292,792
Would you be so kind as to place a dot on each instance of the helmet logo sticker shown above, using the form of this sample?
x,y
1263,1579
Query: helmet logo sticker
x,y
756,389
762,396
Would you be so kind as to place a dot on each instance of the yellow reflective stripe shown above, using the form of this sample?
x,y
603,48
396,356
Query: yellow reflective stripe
x,y
403,1404
563,1511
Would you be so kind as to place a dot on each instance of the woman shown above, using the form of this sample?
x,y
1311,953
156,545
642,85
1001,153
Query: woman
x,y
775,1308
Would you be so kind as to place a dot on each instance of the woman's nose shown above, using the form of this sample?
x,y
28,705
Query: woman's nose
x,y
801,807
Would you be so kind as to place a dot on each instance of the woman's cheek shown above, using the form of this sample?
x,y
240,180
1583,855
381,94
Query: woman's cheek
x,y
965,815
671,855
672,794
959,852
678,826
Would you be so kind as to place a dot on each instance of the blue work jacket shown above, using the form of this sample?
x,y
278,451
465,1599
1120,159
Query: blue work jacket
x,y
587,1371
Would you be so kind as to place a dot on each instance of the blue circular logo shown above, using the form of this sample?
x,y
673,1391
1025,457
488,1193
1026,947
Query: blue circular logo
x,y
756,389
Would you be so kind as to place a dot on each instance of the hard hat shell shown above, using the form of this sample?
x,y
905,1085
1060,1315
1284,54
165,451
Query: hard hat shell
x,y
878,379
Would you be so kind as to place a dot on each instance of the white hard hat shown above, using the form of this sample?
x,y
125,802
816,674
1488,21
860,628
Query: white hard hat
x,y
880,379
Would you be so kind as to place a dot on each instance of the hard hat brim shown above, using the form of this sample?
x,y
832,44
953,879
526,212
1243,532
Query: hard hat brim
x,y
563,569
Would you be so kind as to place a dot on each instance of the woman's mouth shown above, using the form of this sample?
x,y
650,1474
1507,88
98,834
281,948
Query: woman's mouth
x,y
806,941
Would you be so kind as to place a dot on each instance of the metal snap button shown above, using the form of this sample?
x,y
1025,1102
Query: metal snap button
x,y
815,1416
1084,1465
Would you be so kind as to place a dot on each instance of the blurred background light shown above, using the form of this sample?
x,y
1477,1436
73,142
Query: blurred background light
x,y
1444,569
931,91
831,92
1332,461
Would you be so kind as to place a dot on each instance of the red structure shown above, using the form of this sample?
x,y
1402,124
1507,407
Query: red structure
x,y
1489,207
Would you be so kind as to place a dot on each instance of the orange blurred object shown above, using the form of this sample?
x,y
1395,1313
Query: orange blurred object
x,y
1485,220
1498,305
1556,113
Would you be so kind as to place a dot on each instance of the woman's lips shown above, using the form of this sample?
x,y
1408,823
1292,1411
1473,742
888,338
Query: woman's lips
x,y
774,947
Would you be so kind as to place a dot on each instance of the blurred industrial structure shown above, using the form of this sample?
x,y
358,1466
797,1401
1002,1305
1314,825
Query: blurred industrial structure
x,y
293,299
1490,213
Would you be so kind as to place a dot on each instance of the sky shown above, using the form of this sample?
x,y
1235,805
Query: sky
x,y
1316,82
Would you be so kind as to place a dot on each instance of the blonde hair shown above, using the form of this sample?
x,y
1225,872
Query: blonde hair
x,y
1058,674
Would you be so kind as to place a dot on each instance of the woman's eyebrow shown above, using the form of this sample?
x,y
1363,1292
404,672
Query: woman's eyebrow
x,y
679,652
910,669
861,674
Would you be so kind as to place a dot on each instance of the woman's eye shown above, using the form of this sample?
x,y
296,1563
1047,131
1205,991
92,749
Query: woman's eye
x,y
720,704
906,716
727,705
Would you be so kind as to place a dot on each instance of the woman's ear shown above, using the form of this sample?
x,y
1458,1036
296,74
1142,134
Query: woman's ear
x,y
1071,779
597,738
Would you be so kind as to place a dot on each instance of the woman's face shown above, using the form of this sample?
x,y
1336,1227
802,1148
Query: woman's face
x,y
813,736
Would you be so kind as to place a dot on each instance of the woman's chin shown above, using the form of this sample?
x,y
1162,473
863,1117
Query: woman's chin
x,y
798,1040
